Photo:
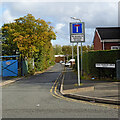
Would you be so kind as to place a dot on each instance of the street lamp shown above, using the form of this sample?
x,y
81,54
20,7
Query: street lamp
x,y
78,54
75,18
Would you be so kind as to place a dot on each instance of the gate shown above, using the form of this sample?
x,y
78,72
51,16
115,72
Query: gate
x,y
9,67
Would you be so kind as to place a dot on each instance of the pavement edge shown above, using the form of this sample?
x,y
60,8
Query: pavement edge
x,y
86,98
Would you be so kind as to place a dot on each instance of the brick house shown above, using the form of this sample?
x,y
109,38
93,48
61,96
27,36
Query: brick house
x,y
59,58
107,38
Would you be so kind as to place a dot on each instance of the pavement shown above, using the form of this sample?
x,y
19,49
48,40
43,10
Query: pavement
x,y
9,80
89,90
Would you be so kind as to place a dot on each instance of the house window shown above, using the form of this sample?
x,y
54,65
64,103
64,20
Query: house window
x,y
115,47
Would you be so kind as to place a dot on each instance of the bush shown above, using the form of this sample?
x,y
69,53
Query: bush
x,y
93,57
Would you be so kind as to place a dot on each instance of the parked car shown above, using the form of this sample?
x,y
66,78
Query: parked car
x,y
62,62
68,64
72,60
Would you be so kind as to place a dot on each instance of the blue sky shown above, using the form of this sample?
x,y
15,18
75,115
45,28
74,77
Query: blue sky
x,y
95,13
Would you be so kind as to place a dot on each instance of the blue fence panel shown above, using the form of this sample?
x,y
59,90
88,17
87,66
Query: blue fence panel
x,y
10,68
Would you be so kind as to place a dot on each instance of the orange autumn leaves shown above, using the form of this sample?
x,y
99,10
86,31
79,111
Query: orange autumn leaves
x,y
28,34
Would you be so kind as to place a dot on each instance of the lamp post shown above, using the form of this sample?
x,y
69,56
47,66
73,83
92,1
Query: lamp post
x,y
78,55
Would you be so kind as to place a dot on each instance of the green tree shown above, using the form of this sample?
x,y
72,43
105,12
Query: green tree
x,y
58,50
67,50
29,36
8,46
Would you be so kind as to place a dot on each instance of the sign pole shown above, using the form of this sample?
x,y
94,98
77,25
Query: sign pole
x,y
77,34
78,64
81,58
72,52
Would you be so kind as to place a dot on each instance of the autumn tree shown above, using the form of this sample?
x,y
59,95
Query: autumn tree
x,y
8,46
28,35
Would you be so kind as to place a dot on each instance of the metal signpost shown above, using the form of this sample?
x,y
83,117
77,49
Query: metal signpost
x,y
72,52
77,34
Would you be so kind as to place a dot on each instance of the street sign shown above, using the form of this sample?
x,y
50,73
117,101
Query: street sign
x,y
77,38
104,65
77,32
77,28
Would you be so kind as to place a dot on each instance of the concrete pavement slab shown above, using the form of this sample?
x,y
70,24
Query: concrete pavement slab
x,y
99,91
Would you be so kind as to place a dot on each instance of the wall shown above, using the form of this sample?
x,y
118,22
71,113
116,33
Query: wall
x,y
108,45
58,59
97,43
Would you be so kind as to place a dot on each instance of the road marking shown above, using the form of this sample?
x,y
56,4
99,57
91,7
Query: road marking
x,y
54,93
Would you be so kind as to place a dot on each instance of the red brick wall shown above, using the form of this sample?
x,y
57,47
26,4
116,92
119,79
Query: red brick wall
x,y
97,43
107,46
58,59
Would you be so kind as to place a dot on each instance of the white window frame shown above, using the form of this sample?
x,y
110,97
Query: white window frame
x,y
115,47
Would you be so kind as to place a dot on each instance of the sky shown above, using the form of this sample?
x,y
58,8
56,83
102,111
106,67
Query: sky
x,y
95,13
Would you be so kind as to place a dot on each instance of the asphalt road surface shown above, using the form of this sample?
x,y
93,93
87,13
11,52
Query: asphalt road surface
x,y
31,98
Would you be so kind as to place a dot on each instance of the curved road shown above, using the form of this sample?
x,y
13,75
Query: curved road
x,y
31,98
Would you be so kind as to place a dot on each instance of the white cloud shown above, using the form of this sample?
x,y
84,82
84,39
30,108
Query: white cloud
x,y
60,0
92,13
59,26
7,17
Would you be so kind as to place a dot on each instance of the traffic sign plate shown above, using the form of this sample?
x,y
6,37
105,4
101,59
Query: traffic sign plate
x,y
77,32
77,38
77,28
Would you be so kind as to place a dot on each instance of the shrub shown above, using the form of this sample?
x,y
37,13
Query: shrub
x,y
91,58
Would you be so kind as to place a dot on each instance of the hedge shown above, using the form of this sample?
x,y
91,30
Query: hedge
x,y
92,57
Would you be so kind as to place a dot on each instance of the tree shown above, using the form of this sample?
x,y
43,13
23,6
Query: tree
x,y
67,50
8,46
28,35
58,50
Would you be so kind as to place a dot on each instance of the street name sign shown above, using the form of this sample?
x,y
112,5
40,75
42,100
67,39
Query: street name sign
x,y
104,65
77,38
77,32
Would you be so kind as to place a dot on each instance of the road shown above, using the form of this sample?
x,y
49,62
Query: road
x,y
31,98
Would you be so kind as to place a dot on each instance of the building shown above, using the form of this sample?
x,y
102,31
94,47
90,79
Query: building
x,y
107,38
59,58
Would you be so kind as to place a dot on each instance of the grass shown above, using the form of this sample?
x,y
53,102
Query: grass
x,y
87,77
78,85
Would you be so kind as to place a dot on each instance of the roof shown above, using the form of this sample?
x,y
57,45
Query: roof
x,y
109,32
59,55
72,60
